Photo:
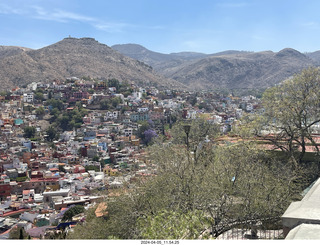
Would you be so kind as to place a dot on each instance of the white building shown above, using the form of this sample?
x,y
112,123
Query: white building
x,y
249,107
110,115
217,119
239,113
143,109
28,97
32,86
137,95
128,132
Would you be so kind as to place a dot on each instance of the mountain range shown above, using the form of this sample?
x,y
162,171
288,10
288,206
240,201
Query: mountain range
x,y
229,69
132,62
73,57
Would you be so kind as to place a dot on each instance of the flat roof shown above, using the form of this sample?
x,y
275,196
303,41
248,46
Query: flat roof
x,y
308,209
56,192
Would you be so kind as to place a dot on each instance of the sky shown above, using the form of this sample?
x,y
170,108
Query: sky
x,y
165,26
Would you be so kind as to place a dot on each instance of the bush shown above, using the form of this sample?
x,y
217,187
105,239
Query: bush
x,y
21,179
91,167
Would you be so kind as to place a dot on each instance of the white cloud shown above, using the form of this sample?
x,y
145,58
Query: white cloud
x,y
59,15
109,27
6,9
63,16
311,25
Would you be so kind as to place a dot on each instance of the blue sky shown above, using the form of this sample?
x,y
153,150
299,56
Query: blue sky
x,y
166,26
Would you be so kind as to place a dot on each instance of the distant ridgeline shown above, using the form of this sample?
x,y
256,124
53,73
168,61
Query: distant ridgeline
x,y
73,57
78,57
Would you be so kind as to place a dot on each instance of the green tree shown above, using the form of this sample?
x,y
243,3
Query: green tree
x,y
21,236
55,115
29,132
39,96
55,104
51,133
77,209
61,168
115,101
144,126
193,100
291,112
200,186
7,95
104,104
95,158
64,122
231,184
91,91
172,225
102,163
40,111
114,83
93,228
18,233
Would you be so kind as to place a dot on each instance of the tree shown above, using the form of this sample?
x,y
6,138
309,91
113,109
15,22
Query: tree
x,y
104,104
55,104
102,163
144,126
95,158
291,113
115,101
149,134
232,185
40,111
200,186
61,168
50,95
51,133
172,225
18,233
65,122
29,132
38,96
21,236
114,83
77,209
93,228
193,100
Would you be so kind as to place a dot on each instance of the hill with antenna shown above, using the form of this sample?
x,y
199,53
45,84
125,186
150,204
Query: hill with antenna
x,y
73,57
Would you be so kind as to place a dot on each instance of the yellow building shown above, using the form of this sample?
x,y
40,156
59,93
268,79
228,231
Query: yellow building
x,y
110,172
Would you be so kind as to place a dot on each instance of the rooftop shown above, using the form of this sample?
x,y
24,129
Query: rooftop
x,y
304,232
306,209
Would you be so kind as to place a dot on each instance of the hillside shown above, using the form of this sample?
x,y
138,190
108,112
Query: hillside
x,y
75,57
6,51
228,69
87,57
243,70
157,60
315,56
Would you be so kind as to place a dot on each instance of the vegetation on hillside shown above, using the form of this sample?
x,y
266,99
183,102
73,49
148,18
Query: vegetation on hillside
x,y
201,187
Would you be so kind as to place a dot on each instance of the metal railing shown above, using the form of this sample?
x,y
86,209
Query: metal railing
x,y
269,231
